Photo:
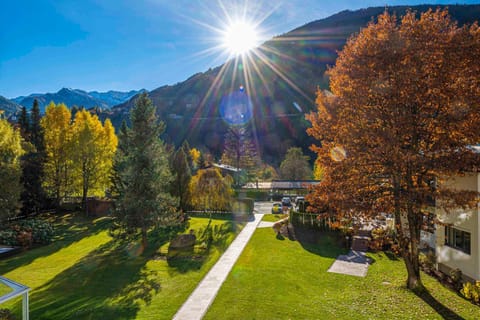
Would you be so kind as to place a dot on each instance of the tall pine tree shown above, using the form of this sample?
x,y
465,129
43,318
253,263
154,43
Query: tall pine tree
x,y
183,175
142,175
33,196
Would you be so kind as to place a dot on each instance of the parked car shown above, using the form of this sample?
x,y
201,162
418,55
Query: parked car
x,y
286,202
276,208
299,199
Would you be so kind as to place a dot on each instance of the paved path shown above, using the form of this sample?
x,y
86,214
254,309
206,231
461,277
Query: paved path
x,y
202,297
355,263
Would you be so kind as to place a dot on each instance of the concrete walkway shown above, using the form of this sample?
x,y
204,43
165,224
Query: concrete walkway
x,y
265,224
355,263
202,297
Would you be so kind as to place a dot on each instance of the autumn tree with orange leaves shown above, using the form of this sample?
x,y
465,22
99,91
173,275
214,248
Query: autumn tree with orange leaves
x,y
402,113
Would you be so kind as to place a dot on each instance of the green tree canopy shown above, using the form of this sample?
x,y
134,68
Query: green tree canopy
x,y
295,166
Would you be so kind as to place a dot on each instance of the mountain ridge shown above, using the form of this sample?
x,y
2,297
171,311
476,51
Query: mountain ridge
x,y
77,97
285,73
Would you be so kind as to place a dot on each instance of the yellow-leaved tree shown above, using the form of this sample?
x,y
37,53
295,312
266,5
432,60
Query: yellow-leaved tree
x,y
10,170
58,146
209,191
93,150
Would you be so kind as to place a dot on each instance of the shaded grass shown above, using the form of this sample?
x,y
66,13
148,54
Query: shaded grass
x,y
276,279
87,275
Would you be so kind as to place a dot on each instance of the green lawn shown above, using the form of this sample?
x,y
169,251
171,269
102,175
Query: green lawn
x,y
276,278
4,290
273,217
86,275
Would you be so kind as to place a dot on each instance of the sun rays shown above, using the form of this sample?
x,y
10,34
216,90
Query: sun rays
x,y
256,83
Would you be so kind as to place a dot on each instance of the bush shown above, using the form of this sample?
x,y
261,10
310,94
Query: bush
x,y
427,261
456,278
27,232
6,314
8,237
471,291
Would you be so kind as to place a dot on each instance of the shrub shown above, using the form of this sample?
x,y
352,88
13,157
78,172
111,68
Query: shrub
x,y
427,261
471,291
456,278
6,314
8,237
27,232
42,231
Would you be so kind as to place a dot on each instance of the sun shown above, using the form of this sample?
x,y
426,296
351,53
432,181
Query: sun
x,y
240,37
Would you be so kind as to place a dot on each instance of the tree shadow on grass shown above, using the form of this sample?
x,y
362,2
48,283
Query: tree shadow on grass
x,y
69,228
106,284
442,310
390,255
323,243
210,238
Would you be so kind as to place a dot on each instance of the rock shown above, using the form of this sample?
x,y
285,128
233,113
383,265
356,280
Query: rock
x,y
183,241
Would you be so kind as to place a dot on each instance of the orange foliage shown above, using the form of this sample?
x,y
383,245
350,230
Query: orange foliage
x,y
403,110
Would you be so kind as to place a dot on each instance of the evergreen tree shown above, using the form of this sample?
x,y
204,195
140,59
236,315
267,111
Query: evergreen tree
x,y
183,174
33,196
36,130
142,175
24,123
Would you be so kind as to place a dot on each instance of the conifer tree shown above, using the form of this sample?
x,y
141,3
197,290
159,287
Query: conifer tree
x,y
142,175
33,195
183,174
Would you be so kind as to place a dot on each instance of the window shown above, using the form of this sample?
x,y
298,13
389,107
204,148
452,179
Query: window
x,y
457,239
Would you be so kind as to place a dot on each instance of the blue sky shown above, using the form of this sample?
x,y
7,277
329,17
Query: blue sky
x,y
131,44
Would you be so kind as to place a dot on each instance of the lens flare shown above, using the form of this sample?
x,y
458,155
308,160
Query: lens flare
x,y
236,107
338,154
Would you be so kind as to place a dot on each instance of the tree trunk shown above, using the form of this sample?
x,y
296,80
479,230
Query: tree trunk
x,y
85,189
413,280
144,237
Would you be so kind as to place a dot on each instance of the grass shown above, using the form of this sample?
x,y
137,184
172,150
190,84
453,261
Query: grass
x,y
4,290
276,278
86,275
274,217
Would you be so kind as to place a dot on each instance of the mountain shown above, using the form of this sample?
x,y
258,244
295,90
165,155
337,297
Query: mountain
x,y
9,107
113,98
77,97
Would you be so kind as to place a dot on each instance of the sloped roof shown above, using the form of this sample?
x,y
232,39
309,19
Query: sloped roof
x,y
293,184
